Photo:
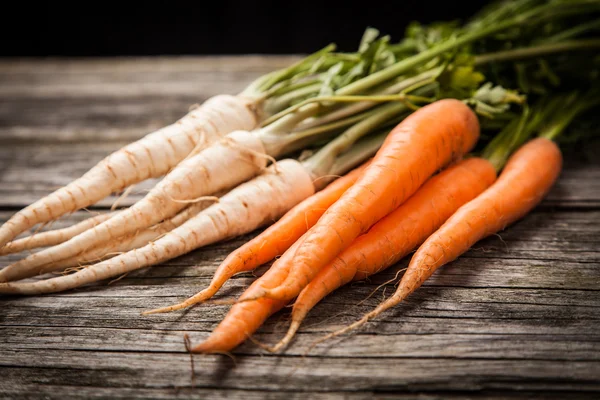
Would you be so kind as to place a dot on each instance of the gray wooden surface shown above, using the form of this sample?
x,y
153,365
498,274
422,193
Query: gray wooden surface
x,y
515,317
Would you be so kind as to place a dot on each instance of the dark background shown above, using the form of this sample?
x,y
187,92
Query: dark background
x,y
201,27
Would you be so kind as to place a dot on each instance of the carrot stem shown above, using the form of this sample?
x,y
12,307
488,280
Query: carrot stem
x,y
560,122
376,98
536,51
575,31
358,153
265,82
321,162
519,130
286,100
530,17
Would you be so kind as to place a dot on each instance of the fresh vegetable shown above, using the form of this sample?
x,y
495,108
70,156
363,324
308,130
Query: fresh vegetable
x,y
184,182
458,129
525,180
372,72
424,142
228,162
110,249
528,176
243,209
246,316
394,236
274,240
56,236
387,241
268,196
150,157
434,62
158,153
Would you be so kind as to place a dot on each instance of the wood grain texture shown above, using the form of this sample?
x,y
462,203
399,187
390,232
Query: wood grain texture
x,y
515,317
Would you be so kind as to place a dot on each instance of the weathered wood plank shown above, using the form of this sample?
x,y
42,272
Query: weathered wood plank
x,y
265,372
124,77
89,119
372,344
21,386
72,391
120,99
431,311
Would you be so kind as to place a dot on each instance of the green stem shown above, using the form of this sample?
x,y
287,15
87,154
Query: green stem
x,y
289,86
335,124
286,124
405,85
536,51
558,124
406,98
282,102
520,129
498,150
574,32
405,46
265,82
321,162
409,63
277,144
358,153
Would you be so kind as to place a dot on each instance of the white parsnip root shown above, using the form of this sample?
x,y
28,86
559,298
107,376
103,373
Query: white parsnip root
x,y
245,208
53,237
236,158
150,157
115,247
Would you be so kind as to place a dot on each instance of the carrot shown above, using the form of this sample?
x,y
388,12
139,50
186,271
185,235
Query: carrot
x,y
452,187
274,240
244,317
424,142
56,236
251,310
398,233
149,157
526,179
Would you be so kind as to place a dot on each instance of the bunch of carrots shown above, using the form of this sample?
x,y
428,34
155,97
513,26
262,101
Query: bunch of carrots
x,y
401,124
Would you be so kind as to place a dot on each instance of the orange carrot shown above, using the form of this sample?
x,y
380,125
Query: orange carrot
x,y
274,240
390,239
421,144
241,321
245,317
526,179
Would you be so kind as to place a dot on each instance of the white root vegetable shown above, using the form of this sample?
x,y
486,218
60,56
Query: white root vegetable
x,y
240,211
121,244
53,237
225,164
150,157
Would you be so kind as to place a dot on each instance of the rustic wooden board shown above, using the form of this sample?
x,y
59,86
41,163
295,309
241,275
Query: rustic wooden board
x,y
517,316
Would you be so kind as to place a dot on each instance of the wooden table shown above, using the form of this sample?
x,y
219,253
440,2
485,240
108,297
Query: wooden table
x,y
515,317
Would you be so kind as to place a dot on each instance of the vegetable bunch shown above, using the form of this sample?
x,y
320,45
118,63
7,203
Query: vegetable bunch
x,y
405,118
